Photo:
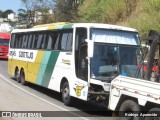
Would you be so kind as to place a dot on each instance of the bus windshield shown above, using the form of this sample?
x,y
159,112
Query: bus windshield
x,y
4,42
114,36
109,61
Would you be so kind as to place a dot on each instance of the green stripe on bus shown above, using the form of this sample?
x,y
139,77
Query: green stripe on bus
x,y
67,26
49,68
41,72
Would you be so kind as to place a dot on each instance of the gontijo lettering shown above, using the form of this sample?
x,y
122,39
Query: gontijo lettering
x,y
26,54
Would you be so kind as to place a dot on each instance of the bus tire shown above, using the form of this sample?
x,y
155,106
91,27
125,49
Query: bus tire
x,y
129,106
17,76
67,99
22,78
155,111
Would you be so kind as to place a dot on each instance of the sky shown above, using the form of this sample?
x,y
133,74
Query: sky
x,y
10,4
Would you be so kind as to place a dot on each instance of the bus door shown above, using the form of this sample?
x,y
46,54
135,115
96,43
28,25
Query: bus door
x,y
81,63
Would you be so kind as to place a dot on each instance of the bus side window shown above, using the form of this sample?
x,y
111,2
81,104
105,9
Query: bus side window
x,y
34,42
44,41
24,41
69,42
66,40
57,42
20,38
39,41
12,43
16,41
52,38
30,41
50,41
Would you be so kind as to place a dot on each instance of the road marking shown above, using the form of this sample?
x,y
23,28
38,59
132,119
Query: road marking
x,y
41,98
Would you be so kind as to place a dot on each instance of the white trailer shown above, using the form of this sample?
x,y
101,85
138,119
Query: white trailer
x,y
135,98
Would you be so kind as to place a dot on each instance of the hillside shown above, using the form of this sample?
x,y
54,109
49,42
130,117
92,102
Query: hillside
x,y
140,14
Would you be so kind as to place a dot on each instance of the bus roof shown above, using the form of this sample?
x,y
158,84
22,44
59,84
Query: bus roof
x,y
65,25
5,36
50,24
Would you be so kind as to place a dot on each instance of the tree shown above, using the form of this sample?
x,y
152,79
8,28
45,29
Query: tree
x,y
5,13
66,10
37,11
1,13
22,15
46,15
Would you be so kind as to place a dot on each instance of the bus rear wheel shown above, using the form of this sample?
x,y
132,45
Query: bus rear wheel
x,y
67,99
22,78
17,76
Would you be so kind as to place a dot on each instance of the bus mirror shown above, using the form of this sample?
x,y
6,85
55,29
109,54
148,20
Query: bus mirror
x,y
90,48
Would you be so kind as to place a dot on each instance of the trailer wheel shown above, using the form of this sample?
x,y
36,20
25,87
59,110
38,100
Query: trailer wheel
x,y
128,107
67,99
153,110
22,78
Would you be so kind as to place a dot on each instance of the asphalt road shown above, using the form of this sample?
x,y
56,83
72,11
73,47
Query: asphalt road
x,y
30,100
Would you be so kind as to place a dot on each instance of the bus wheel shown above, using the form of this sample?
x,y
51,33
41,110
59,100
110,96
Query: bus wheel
x,y
155,111
129,107
17,76
22,78
67,99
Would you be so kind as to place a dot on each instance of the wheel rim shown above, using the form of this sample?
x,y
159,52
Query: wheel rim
x,y
66,93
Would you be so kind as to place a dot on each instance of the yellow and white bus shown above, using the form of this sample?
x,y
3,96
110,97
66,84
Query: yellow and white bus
x,y
76,59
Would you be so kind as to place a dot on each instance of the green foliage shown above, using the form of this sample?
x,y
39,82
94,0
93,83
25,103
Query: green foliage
x,y
22,15
66,10
148,17
4,14
107,11
140,14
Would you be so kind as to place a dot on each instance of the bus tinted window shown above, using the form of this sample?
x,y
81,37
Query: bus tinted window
x,y
52,38
12,43
66,40
24,41
18,42
39,41
30,41
69,42
44,41
81,35
34,42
